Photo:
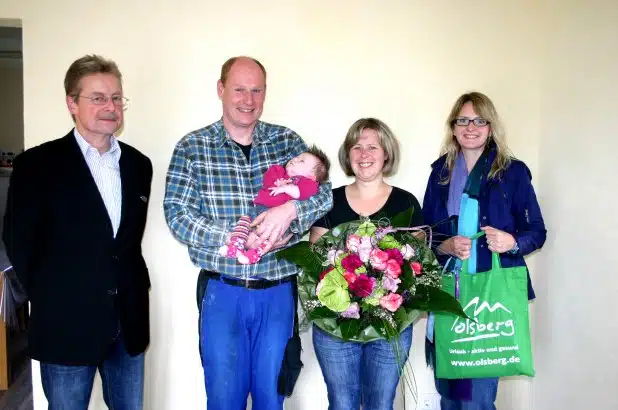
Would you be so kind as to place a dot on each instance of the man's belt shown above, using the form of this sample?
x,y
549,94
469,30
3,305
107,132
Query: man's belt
x,y
246,283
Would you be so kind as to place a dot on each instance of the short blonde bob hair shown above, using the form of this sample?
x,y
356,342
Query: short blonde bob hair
x,y
388,141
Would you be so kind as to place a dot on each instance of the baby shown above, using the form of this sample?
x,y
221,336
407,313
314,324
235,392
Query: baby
x,y
298,180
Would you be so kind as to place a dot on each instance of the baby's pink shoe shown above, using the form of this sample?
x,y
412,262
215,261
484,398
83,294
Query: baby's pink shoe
x,y
249,257
229,251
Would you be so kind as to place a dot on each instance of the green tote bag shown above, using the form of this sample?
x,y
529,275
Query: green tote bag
x,y
495,340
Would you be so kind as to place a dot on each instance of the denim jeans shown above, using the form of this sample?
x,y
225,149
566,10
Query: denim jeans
x,y
356,373
69,387
462,394
243,334
484,393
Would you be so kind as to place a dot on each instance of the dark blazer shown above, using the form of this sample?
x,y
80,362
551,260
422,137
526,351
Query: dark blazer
x,y
80,280
508,204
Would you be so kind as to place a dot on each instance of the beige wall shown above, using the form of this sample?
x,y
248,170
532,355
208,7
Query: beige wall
x,y
575,328
329,63
11,106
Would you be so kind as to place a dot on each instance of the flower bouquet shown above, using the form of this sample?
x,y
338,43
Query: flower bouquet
x,y
369,279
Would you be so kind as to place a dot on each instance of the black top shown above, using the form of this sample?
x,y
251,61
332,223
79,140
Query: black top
x,y
246,149
398,201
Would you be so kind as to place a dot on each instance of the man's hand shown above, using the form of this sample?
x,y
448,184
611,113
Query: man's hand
x,y
272,224
253,241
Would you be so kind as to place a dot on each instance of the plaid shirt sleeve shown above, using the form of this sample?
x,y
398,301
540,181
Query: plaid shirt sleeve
x,y
315,207
182,204
211,183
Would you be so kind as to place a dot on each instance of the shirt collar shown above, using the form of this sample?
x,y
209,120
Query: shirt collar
x,y
259,133
84,146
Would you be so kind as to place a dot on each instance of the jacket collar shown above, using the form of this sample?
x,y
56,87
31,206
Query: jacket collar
x,y
439,166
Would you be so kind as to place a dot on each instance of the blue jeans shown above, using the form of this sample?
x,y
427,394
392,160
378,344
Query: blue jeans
x,y
484,393
243,334
479,394
69,387
356,373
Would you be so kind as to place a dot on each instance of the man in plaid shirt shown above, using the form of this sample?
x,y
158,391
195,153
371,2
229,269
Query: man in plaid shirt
x,y
246,311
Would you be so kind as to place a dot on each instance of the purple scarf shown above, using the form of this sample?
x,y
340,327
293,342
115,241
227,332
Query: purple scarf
x,y
459,176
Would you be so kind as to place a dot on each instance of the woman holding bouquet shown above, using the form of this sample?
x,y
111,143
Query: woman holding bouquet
x,y
505,208
355,372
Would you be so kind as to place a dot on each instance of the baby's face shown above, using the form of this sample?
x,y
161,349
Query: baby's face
x,y
302,165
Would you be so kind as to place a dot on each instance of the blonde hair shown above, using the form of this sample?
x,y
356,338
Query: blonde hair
x,y
485,109
388,141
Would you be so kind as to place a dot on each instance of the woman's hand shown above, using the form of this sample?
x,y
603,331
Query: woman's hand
x,y
498,241
457,246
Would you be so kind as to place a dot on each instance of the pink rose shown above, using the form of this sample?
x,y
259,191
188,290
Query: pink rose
x,y
365,249
407,252
353,243
393,269
362,286
391,302
325,272
350,277
352,312
417,268
390,283
351,262
333,254
396,255
378,259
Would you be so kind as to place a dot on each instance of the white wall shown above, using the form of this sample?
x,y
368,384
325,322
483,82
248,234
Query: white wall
x,y
575,328
329,63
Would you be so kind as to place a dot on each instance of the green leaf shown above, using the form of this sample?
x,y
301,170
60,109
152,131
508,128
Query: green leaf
x,y
388,242
407,276
303,256
338,260
321,312
403,219
349,328
334,292
335,298
374,298
367,228
401,314
335,278
365,307
381,327
436,300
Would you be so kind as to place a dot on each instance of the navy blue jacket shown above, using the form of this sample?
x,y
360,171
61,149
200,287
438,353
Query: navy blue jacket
x,y
508,204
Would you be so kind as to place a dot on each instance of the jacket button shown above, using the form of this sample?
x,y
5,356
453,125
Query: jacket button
x,y
112,292
484,217
116,258
482,246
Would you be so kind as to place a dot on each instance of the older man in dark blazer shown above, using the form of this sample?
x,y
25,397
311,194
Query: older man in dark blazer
x,y
74,222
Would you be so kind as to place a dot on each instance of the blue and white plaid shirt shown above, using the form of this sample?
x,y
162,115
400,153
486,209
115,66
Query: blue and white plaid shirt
x,y
210,184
